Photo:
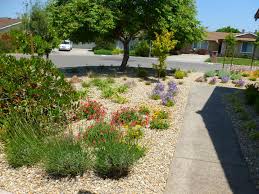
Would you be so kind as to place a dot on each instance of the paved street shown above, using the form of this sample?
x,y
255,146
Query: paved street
x,y
73,61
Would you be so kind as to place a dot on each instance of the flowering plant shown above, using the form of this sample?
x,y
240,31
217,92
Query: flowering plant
x,y
127,117
239,83
225,79
172,87
213,81
158,91
168,99
93,110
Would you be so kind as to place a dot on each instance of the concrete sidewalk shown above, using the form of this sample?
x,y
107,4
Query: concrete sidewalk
x,y
208,157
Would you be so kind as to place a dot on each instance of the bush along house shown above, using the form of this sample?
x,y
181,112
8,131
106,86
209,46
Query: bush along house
x,y
215,41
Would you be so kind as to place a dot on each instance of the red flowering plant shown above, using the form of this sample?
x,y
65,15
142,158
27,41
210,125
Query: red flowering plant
x,y
101,132
93,110
128,117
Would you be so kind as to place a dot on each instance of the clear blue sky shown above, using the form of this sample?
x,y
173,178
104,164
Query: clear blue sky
x,y
212,13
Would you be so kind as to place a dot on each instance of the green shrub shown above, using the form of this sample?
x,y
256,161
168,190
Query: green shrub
x,y
132,53
66,157
114,159
244,116
119,99
117,51
103,52
86,85
223,73
101,43
249,125
144,110
254,135
251,93
179,74
142,49
101,132
35,86
162,114
252,78
108,92
141,72
134,134
159,124
235,76
110,80
210,74
245,74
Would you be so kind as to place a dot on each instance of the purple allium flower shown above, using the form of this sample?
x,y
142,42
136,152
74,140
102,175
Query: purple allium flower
x,y
172,87
225,79
213,81
240,83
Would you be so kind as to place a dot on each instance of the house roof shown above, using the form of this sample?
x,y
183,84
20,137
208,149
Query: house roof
x,y
257,15
216,36
8,22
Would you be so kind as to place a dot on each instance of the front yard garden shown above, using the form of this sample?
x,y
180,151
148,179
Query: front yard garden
x,y
98,133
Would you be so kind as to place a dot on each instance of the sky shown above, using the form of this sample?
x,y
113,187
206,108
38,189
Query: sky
x,y
213,14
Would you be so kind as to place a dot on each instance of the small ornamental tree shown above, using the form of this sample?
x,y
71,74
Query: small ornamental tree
x,y
161,46
256,44
230,48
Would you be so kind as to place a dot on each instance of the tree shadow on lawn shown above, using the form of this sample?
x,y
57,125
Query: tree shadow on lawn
x,y
110,71
225,142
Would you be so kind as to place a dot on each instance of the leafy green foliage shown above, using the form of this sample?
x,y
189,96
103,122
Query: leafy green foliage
x,y
114,159
34,86
141,72
103,52
161,124
210,74
228,29
66,157
179,74
161,46
142,49
143,109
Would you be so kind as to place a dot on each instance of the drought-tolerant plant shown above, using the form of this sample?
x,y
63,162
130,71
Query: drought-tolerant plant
x,y
252,79
161,114
213,81
172,87
101,132
86,84
142,49
249,125
122,88
92,109
134,134
223,73
144,110
127,116
119,99
168,99
251,93
235,76
161,124
158,91
108,92
141,72
114,159
66,157
239,83
179,74
210,74
224,79
254,134
103,52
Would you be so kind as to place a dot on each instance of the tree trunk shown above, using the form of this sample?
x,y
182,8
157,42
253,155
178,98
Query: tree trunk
x,y
252,62
125,55
47,55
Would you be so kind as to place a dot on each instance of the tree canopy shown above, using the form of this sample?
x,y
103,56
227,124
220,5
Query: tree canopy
x,y
124,20
228,29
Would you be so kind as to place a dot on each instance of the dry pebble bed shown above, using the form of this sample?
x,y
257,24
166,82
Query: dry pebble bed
x,y
249,148
149,175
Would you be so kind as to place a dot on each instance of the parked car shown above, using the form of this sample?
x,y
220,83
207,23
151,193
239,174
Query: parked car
x,y
66,45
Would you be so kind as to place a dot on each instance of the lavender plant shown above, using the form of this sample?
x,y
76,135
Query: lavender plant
x,y
239,83
168,99
172,87
225,79
158,91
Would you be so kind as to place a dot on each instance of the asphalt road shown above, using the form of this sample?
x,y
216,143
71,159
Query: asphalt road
x,y
62,61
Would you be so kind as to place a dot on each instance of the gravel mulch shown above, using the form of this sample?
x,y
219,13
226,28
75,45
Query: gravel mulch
x,y
249,148
149,175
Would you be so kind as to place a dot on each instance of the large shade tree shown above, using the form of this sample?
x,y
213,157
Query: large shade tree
x,y
124,20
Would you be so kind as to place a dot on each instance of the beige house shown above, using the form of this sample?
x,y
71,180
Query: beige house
x,y
215,41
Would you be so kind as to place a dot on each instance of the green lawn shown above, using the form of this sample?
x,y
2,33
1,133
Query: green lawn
x,y
236,61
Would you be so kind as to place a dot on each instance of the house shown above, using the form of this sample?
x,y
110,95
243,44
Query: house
x,y
7,24
257,15
215,41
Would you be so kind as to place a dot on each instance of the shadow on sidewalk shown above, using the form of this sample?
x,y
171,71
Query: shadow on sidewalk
x,y
225,142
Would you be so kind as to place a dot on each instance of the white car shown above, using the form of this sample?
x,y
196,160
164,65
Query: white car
x,y
66,45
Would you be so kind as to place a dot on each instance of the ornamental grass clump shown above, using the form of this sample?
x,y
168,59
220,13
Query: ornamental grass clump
x,y
93,110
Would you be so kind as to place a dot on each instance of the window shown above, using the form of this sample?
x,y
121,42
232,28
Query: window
x,y
200,45
247,47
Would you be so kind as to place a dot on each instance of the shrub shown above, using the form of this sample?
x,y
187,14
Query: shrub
x,y
252,78
86,85
251,93
127,116
224,79
254,135
134,134
210,74
23,141
213,81
122,88
101,132
103,52
119,99
114,159
223,73
249,125
117,51
235,76
34,86
141,72
161,114
93,110
159,124
245,74
158,91
108,92
66,157
142,49
179,74
144,110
